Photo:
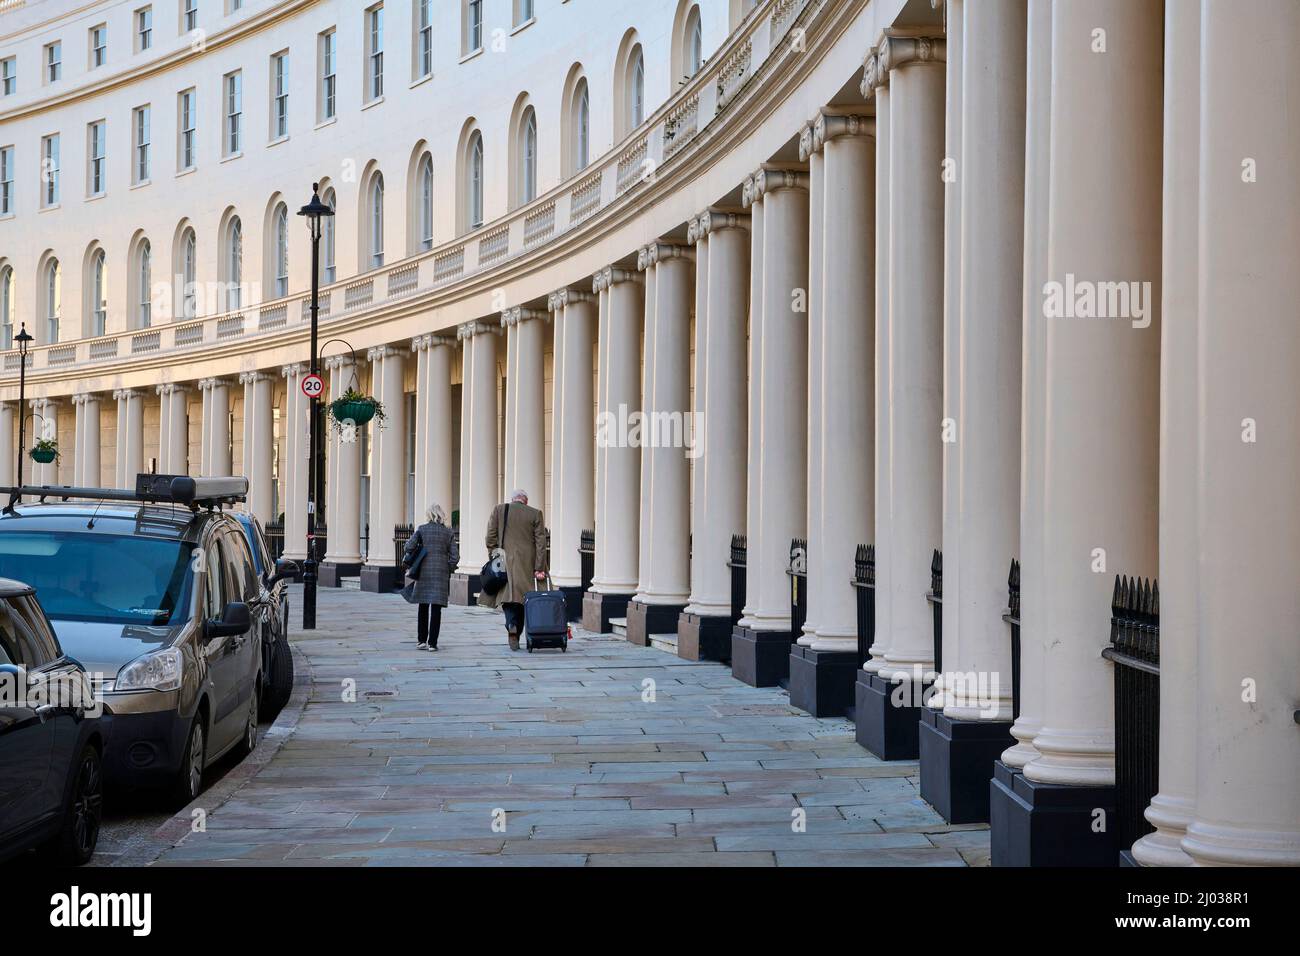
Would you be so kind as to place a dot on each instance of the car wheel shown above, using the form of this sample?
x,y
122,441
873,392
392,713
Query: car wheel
x,y
189,778
280,686
249,740
77,837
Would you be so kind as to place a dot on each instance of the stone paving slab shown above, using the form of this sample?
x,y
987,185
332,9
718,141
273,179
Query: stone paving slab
x,y
609,755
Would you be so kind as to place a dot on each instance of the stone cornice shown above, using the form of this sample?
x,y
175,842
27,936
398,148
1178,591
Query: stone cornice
x,y
898,52
610,276
563,298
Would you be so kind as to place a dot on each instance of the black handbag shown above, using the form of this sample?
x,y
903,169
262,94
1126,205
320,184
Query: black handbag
x,y
493,578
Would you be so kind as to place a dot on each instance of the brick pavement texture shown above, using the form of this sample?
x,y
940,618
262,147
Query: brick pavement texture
x,y
609,755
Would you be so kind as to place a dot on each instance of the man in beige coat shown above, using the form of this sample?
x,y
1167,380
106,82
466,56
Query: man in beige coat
x,y
524,545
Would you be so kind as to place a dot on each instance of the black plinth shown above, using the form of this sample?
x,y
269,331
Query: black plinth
x,y
957,759
821,682
333,573
380,580
573,601
704,638
598,608
646,619
760,658
888,716
464,589
1040,824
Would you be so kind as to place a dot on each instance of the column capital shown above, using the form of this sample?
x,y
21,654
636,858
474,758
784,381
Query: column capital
x,y
873,76
658,252
172,388
381,352
563,298
293,370
252,378
431,340
715,220
126,394
607,278
769,179
897,52
207,384
831,126
470,329
519,314
339,361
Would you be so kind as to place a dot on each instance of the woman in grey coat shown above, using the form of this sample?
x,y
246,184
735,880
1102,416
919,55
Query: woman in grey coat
x,y
427,584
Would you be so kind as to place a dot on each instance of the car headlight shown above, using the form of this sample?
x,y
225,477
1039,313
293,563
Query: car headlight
x,y
157,670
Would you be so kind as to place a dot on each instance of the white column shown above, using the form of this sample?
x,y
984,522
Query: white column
x,y
78,436
525,403
173,430
259,443
88,455
986,524
698,240
433,465
343,481
45,424
618,533
1173,807
215,442
665,469
8,436
752,198
719,504
915,407
1103,397
479,485
129,458
1247,757
817,561
845,148
1033,418
296,427
783,391
388,478
573,442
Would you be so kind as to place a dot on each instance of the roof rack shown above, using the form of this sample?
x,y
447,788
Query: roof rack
x,y
193,493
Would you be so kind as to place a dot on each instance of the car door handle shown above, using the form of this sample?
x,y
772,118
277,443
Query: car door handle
x,y
46,711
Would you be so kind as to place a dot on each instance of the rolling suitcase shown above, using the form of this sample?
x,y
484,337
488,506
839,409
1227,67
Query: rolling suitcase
x,y
546,619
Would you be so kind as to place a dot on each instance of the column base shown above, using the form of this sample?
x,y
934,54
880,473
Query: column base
x,y
821,682
646,619
889,731
573,601
332,573
380,579
957,758
704,638
598,608
760,658
464,589
1042,824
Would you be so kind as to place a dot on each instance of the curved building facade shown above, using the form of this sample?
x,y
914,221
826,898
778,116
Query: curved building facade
x,y
880,294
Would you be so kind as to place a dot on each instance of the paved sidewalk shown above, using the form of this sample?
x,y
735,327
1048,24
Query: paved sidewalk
x,y
608,755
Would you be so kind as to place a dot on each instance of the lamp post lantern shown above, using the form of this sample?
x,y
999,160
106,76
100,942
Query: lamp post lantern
x,y
24,339
315,213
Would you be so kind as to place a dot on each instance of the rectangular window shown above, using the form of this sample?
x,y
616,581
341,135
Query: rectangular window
x,y
8,76
234,87
474,26
95,147
523,11
189,15
6,180
142,139
423,38
375,52
185,126
328,78
50,170
53,62
280,95
143,29
98,46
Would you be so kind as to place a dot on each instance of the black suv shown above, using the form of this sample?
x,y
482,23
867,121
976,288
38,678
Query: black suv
x,y
277,658
156,593
51,742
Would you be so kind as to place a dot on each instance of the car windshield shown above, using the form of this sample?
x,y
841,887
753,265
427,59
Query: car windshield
x,y
114,579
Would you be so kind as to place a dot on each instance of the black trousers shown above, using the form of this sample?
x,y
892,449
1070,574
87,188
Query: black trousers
x,y
514,617
428,623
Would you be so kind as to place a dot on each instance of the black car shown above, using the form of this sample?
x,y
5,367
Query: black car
x,y
277,658
51,742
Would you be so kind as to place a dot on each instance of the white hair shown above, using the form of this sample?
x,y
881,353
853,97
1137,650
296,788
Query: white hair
x,y
436,514
519,495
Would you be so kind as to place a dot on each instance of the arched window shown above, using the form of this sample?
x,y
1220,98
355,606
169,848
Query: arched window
x,y
327,269
694,42
636,90
189,270
582,127
377,221
98,293
53,304
474,182
7,306
528,158
426,202
144,285
280,249
234,265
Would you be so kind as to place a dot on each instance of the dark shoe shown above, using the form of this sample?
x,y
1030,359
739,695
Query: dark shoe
x,y
514,640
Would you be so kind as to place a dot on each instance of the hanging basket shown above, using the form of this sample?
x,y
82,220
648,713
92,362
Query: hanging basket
x,y
357,411
44,455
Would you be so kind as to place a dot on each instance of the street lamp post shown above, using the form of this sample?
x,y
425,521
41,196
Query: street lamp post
x,y
314,212
23,338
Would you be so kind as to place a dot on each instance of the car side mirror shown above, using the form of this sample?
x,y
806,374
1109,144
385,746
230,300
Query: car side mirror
x,y
13,672
234,620
284,571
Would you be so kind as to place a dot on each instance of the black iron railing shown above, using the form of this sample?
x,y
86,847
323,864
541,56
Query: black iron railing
x,y
798,572
401,534
587,553
864,589
739,550
275,539
322,541
935,597
1135,651
1012,617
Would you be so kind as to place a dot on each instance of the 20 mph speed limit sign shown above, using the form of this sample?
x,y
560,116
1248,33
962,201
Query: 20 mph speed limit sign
x,y
313,386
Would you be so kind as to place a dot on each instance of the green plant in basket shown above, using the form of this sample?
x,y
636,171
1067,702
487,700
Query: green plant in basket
x,y
357,409
45,450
